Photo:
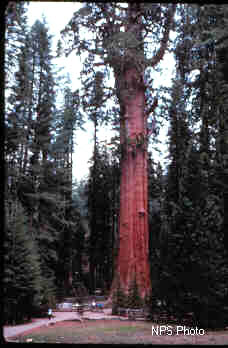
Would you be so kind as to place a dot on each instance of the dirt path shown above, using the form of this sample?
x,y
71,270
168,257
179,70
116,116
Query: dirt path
x,y
10,331
115,332
210,338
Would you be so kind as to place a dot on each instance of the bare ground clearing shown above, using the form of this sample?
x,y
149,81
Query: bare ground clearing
x,y
115,332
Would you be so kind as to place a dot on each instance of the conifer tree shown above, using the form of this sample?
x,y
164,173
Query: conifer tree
x,y
193,246
222,87
30,107
118,42
22,281
68,120
38,153
16,28
102,200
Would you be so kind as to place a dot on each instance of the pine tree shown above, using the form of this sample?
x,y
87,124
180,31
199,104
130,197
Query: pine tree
x,y
30,108
22,281
156,203
222,87
193,246
16,28
22,274
38,150
101,206
43,108
69,119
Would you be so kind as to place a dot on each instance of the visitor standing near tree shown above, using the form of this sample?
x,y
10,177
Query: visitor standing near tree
x,y
49,313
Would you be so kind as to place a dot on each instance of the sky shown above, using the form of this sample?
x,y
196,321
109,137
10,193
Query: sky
x,y
57,16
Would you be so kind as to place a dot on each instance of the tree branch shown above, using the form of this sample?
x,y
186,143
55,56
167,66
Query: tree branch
x,y
159,55
152,108
99,64
153,128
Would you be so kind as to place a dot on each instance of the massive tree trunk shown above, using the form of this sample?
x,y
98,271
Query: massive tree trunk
x,y
133,259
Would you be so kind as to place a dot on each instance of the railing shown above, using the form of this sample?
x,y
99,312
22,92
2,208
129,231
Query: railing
x,y
80,308
136,313
133,313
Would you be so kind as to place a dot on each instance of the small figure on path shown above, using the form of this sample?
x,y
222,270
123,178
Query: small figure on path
x,y
100,307
93,305
49,313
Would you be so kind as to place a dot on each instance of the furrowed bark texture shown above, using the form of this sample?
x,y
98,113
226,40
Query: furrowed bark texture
x,y
133,258
133,255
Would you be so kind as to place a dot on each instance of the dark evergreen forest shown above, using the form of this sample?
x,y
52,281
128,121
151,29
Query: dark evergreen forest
x,y
59,231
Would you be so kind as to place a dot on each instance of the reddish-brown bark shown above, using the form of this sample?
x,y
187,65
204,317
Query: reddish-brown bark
x,y
133,258
133,221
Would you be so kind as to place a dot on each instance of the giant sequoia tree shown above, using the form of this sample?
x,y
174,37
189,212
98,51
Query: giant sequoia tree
x,y
121,36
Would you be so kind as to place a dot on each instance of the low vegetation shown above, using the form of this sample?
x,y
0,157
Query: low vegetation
x,y
113,332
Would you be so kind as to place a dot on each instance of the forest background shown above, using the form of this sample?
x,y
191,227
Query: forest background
x,y
56,231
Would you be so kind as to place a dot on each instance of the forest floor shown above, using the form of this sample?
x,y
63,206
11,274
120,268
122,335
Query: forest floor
x,y
110,330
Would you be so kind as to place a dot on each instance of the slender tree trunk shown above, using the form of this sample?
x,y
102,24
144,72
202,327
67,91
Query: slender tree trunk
x,y
93,222
25,159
